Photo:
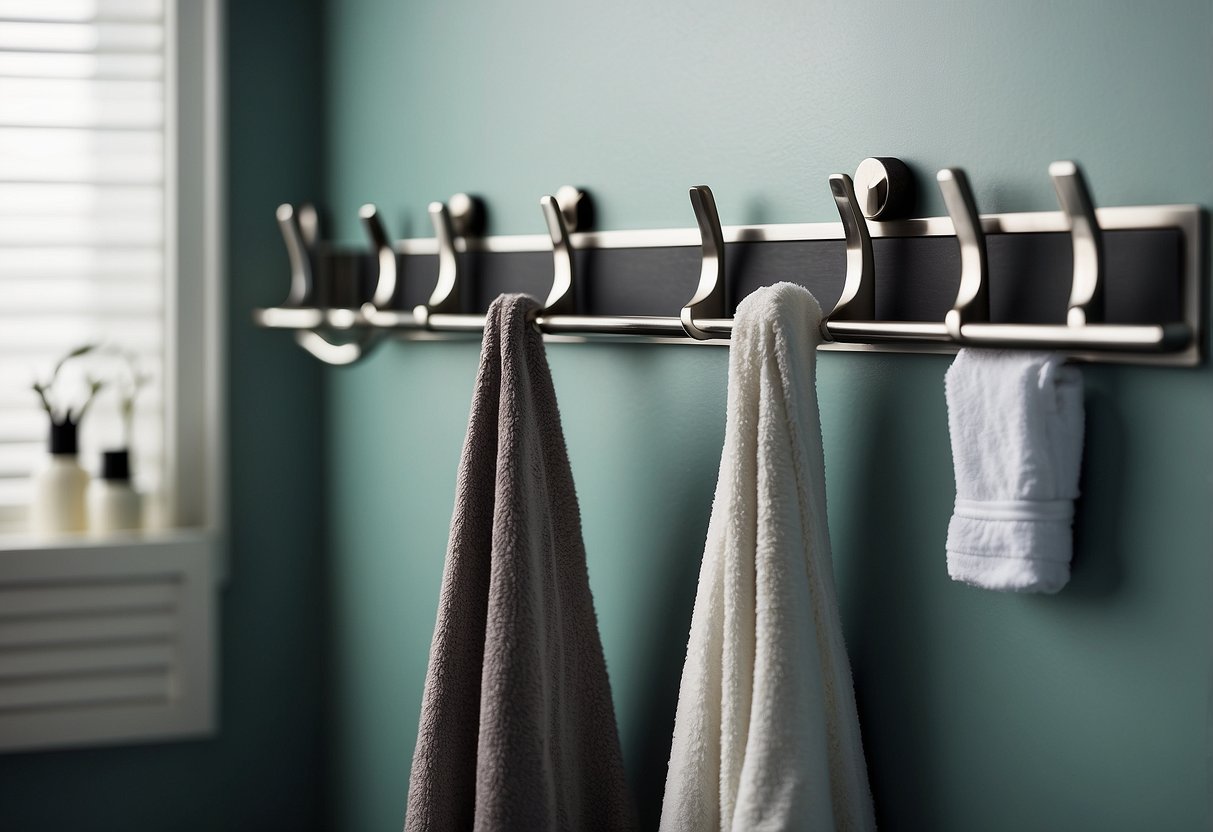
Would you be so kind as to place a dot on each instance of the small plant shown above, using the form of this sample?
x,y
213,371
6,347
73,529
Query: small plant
x,y
64,414
128,388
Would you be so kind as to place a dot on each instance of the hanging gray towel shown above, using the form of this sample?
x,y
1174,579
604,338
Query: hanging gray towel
x,y
517,726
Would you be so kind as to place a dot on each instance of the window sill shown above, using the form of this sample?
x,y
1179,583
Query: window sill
x,y
22,542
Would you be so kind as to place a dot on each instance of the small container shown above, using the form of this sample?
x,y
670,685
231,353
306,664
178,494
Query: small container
x,y
59,486
113,504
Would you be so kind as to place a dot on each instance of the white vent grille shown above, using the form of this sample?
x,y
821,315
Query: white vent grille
x,y
105,644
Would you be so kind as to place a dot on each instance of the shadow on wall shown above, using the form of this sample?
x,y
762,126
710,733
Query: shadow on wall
x,y
1098,565
886,558
662,659
892,581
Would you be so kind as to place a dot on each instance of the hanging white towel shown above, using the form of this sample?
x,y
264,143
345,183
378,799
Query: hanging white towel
x,y
766,736
1016,422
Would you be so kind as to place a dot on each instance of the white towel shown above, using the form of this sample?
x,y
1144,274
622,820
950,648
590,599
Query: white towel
x,y
1016,422
766,736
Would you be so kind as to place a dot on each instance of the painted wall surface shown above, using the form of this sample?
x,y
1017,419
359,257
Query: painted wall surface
x,y
980,711
263,769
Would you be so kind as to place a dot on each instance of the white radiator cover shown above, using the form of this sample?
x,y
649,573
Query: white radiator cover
x,y
110,642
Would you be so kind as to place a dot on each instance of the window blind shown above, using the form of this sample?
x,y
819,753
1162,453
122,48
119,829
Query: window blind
x,y
82,224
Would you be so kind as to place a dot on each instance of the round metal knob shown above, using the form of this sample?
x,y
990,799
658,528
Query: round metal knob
x,y
467,215
575,207
885,188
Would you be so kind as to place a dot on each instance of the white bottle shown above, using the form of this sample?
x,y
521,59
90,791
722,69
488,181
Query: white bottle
x,y
113,505
58,498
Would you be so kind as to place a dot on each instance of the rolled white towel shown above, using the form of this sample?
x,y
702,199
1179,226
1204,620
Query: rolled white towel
x,y
1016,423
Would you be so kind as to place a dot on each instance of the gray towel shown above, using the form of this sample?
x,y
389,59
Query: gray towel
x,y
517,726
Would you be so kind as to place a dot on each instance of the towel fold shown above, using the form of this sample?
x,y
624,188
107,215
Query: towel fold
x,y
766,735
517,727
1016,423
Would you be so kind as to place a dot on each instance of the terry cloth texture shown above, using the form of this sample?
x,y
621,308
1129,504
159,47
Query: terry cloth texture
x,y
1016,423
517,726
767,736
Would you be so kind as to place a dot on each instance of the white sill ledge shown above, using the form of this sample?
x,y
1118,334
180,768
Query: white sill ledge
x,y
16,543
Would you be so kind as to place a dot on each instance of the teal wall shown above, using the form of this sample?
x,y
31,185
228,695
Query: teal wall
x,y
263,771
981,711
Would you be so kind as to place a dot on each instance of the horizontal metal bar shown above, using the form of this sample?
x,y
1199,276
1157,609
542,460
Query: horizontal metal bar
x,y
656,327
281,317
392,319
446,322
1034,222
1111,337
887,331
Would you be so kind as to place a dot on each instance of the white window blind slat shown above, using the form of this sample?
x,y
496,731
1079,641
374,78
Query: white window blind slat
x,y
82,220
82,259
35,155
82,231
22,36
66,199
68,11
75,296
72,102
63,65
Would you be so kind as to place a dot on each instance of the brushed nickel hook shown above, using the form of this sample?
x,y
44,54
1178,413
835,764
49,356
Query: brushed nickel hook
x,y
973,297
858,299
309,224
709,299
447,296
388,277
337,355
297,248
301,231
462,216
562,299
1086,291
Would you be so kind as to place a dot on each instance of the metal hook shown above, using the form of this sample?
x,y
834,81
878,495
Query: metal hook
x,y
447,296
1086,291
309,224
973,297
330,353
709,299
858,299
297,248
300,231
562,299
388,277
462,216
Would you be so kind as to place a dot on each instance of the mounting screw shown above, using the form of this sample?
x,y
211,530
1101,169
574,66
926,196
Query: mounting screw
x,y
575,207
467,215
885,187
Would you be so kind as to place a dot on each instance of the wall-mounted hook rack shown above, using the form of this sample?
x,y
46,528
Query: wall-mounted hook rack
x,y
1119,284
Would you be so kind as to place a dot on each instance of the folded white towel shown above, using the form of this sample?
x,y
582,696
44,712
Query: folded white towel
x,y
766,735
1016,422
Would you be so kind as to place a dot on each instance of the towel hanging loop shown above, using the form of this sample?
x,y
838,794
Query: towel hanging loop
x,y
858,299
1086,291
710,296
973,297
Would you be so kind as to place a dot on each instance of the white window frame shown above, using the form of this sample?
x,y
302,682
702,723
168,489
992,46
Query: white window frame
x,y
195,434
191,551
